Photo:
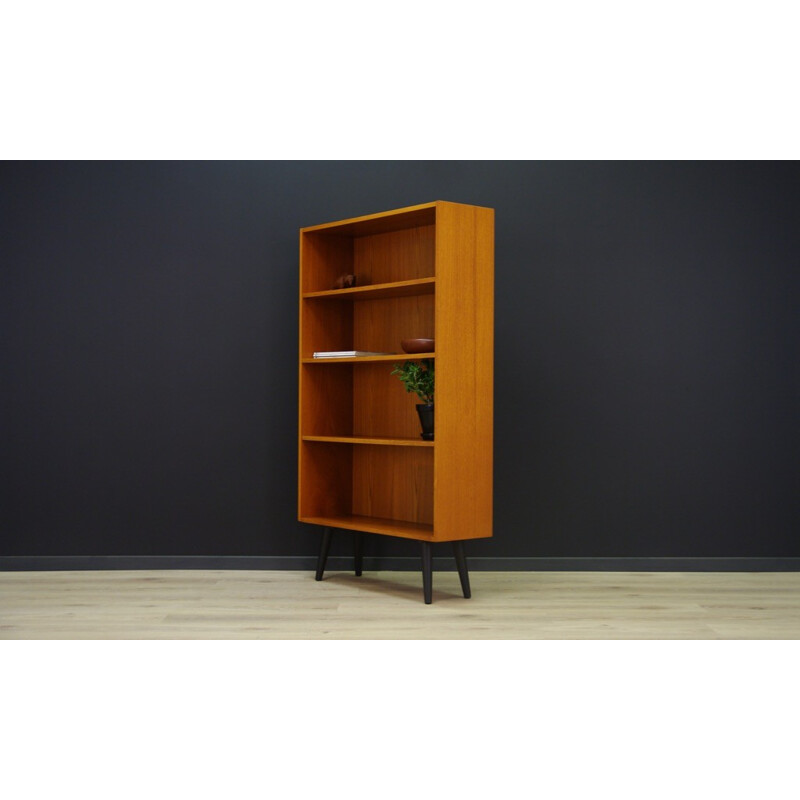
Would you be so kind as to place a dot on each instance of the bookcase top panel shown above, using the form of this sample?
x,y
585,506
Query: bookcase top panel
x,y
385,222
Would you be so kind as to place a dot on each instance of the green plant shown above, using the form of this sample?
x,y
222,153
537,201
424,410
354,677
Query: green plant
x,y
417,377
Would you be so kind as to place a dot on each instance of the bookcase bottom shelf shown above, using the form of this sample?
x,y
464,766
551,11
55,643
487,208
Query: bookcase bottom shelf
x,y
397,441
390,527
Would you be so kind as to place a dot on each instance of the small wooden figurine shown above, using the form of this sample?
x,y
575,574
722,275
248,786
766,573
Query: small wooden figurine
x,y
345,282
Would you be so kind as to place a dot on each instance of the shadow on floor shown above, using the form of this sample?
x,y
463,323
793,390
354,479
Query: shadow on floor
x,y
393,588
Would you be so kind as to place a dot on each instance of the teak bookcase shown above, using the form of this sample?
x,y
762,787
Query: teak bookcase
x,y
426,271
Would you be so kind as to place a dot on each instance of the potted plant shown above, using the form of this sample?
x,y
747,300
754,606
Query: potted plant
x,y
418,377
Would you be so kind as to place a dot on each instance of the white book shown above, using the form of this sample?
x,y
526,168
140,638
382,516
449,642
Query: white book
x,y
347,354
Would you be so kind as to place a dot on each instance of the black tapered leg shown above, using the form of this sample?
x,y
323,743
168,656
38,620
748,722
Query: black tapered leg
x,y
427,571
324,546
461,563
358,548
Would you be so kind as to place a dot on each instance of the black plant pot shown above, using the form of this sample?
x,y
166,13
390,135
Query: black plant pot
x,y
425,411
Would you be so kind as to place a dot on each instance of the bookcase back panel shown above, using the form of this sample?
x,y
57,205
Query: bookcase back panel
x,y
381,405
380,325
396,256
324,257
393,483
326,326
326,479
326,400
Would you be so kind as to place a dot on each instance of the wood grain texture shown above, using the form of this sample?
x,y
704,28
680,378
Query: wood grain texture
x,y
389,527
363,359
326,479
380,290
431,269
326,402
200,604
393,483
382,222
325,326
381,325
324,259
381,405
395,441
401,255
464,371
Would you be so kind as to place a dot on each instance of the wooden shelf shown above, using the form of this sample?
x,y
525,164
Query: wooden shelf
x,y
391,357
391,527
396,441
379,290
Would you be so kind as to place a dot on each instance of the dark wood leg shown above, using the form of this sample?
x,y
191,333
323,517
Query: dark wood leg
x,y
427,571
358,547
324,546
461,563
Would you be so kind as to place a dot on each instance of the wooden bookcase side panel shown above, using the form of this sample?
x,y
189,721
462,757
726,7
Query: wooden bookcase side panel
x,y
464,371
393,483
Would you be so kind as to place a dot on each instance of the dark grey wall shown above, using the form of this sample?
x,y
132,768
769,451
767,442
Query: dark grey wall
x,y
646,353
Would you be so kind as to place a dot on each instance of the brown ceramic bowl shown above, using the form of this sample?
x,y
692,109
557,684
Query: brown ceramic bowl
x,y
417,345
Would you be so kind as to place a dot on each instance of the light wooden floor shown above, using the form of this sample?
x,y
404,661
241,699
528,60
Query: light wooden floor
x,y
195,604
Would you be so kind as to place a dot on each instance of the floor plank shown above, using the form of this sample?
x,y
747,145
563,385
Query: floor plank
x,y
201,604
